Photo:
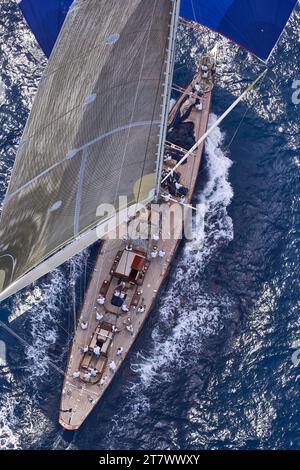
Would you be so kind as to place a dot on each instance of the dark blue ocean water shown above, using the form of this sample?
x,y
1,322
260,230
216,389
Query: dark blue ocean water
x,y
213,367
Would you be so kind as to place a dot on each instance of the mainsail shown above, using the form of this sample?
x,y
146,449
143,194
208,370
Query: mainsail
x,y
97,127
95,132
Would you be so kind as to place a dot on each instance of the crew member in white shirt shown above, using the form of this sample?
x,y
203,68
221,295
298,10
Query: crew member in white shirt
x,y
94,372
99,316
101,300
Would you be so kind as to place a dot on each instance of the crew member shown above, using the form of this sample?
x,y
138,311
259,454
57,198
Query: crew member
x,y
99,316
94,372
101,300
84,325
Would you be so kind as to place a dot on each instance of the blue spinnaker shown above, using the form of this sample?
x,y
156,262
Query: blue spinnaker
x,y
254,24
45,18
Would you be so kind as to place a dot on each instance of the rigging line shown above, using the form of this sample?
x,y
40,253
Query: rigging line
x,y
69,318
80,183
194,12
242,120
238,128
190,206
74,297
180,67
66,331
25,343
85,275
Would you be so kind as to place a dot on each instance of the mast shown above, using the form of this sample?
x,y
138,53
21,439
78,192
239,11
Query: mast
x,y
167,94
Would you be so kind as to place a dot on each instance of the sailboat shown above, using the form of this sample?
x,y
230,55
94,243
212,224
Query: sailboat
x,y
102,156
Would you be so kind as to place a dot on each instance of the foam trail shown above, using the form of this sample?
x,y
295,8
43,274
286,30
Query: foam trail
x,y
45,307
2,92
16,407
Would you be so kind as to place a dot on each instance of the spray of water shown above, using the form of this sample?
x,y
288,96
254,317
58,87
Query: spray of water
x,y
44,307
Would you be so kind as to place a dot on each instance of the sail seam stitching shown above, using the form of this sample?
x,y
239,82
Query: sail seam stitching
x,y
97,139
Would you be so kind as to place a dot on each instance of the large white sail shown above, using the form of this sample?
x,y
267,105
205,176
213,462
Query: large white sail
x,y
94,133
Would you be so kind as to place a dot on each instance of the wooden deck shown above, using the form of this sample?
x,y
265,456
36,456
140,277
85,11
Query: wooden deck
x,y
79,398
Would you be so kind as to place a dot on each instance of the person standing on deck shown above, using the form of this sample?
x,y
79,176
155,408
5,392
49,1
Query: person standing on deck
x,y
130,329
94,372
99,316
154,252
104,380
101,300
166,197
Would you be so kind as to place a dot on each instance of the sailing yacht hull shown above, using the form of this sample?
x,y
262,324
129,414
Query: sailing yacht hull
x,y
78,396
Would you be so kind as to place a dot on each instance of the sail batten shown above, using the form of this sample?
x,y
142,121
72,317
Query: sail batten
x,y
93,132
73,152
